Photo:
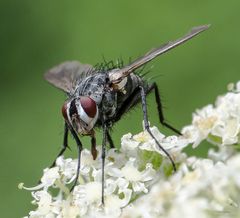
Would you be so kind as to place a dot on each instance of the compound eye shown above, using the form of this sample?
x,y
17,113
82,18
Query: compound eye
x,y
89,106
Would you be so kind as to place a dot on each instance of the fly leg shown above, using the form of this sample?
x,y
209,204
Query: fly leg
x,y
159,107
103,156
135,98
65,145
79,146
93,146
109,139
105,137
146,125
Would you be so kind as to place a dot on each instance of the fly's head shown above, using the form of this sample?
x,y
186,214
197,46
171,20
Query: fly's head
x,y
81,113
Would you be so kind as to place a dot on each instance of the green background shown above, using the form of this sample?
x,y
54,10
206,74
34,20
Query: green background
x,y
36,35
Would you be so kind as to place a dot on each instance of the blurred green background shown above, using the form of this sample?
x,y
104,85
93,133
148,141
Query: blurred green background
x,y
36,35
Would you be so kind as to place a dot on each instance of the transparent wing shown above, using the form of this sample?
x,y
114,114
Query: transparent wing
x,y
65,75
125,71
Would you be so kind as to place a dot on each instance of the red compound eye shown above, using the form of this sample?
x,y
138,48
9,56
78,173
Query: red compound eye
x,y
89,106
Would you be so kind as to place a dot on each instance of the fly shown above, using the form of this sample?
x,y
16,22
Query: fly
x,y
99,97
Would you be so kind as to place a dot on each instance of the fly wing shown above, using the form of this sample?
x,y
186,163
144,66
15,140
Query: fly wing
x,y
65,75
125,71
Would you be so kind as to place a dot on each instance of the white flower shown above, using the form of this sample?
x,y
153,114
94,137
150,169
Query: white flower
x,y
50,176
114,203
132,145
117,158
89,193
219,124
48,179
44,200
67,167
68,209
128,145
130,175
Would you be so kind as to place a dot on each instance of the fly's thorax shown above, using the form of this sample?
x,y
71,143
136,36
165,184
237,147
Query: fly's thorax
x,y
81,113
92,86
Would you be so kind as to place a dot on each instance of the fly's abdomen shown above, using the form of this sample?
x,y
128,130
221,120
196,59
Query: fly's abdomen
x,y
133,82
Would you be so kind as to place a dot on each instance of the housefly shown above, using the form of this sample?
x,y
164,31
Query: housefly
x,y
99,96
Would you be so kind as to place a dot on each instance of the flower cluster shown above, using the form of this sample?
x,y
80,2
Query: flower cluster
x,y
139,180
219,124
199,189
128,174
